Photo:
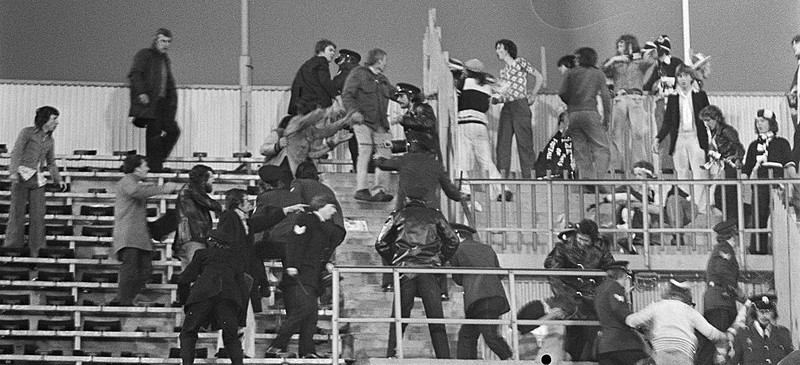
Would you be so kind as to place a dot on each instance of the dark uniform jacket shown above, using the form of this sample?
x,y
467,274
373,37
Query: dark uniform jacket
x,y
575,294
421,169
416,236
229,221
311,236
312,87
612,306
672,120
145,78
215,272
723,271
753,349
420,121
478,287
368,93
341,76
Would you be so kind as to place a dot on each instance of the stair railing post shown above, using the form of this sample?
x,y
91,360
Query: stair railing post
x,y
335,343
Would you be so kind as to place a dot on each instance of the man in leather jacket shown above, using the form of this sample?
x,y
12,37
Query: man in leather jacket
x,y
419,119
418,236
194,207
724,157
581,248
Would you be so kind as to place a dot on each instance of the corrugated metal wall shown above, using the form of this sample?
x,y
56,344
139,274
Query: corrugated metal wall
x,y
94,116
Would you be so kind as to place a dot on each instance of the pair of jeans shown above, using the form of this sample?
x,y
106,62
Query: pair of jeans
x,y
630,128
26,194
371,143
161,134
134,273
689,160
590,144
468,334
425,287
474,147
301,317
223,311
515,121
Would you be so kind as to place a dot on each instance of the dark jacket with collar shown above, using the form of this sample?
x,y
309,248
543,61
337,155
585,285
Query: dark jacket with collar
x,y
723,271
420,122
145,77
312,87
612,306
421,169
368,93
416,236
672,120
230,222
311,237
483,286
216,271
728,145
751,348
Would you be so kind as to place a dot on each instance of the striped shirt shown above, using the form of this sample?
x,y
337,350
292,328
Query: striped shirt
x,y
672,324
514,80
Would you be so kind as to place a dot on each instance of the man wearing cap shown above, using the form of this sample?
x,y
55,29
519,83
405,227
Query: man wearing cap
x,y
722,286
366,95
418,236
219,295
154,99
347,61
672,323
581,248
629,127
420,168
663,85
419,118
484,297
312,87
763,341
618,344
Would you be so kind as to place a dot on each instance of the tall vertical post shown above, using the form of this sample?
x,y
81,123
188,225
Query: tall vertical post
x,y
687,40
245,90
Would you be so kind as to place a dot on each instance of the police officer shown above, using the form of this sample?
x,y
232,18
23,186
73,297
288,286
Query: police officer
x,y
618,344
722,290
419,118
347,61
762,341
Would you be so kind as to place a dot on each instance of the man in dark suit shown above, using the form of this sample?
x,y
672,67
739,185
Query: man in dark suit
x,y
154,99
484,297
618,344
218,296
300,281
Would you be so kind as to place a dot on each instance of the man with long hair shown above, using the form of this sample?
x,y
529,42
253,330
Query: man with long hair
x,y
194,207
630,125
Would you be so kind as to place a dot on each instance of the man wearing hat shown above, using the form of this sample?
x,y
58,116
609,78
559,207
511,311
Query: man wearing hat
x,y
219,295
581,248
419,118
484,297
418,236
762,341
722,286
347,61
662,84
672,323
618,344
